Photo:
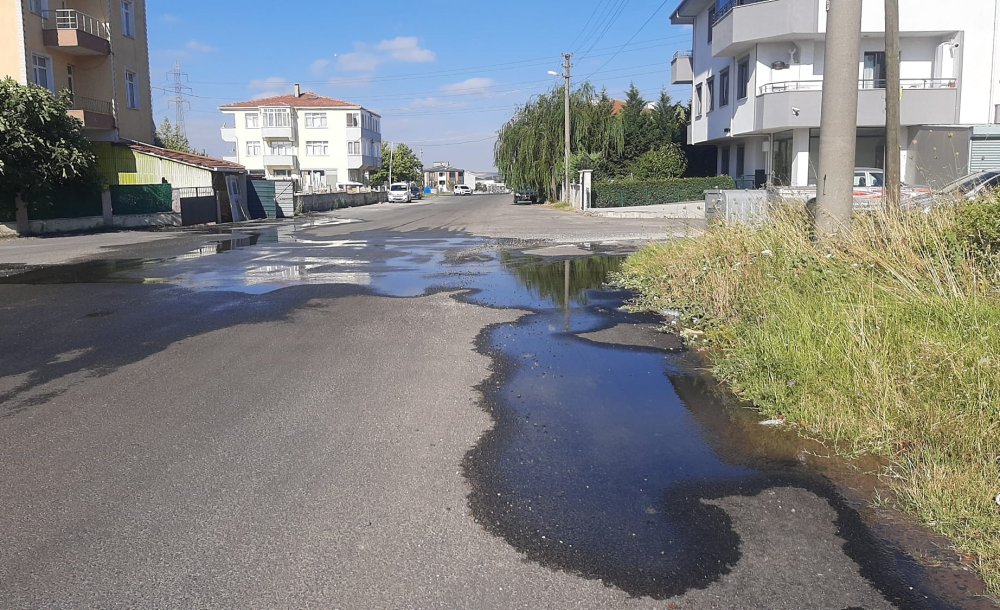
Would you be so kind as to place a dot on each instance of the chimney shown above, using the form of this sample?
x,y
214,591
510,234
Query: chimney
x,y
298,90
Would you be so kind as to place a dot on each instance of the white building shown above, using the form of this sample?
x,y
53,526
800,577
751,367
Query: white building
x,y
319,141
756,72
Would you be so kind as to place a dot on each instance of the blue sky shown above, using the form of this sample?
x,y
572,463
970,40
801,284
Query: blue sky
x,y
444,76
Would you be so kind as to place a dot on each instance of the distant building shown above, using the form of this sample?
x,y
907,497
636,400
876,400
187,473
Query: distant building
x,y
319,141
442,176
96,50
489,182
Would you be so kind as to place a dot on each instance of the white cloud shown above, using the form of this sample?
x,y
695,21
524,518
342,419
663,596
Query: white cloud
x,y
358,61
433,103
199,47
170,19
406,49
470,86
318,67
357,82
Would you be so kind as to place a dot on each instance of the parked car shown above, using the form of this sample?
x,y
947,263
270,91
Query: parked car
x,y
462,189
868,186
416,192
399,192
966,187
526,195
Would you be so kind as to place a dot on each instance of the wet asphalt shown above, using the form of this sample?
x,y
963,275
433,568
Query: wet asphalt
x,y
438,405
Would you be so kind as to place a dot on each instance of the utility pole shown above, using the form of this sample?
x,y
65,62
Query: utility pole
x,y
567,74
391,151
178,79
838,124
891,190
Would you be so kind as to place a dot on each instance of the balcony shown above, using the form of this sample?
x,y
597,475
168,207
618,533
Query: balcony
x,y
798,104
228,133
75,33
363,162
277,133
94,114
279,161
740,24
681,70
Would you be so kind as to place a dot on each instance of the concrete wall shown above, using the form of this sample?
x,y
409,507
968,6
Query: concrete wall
x,y
97,223
324,202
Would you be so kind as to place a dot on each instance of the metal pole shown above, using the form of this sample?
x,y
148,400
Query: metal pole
x,y
567,67
838,124
391,151
891,189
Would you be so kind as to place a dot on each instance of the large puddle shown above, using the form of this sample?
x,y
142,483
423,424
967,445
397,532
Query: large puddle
x,y
607,449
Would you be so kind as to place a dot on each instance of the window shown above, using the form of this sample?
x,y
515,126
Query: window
x,y
277,117
39,7
710,93
697,101
353,120
253,149
282,148
70,81
354,148
741,158
317,149
315,120
874,76
132,89
128,19
724,88
724,161
253,120
41,71
742,78
711,22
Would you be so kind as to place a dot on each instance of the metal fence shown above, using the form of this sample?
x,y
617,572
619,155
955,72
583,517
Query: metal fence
x,y
72,19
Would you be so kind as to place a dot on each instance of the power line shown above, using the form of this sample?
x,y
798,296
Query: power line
x,y
607,28
627,42
580,32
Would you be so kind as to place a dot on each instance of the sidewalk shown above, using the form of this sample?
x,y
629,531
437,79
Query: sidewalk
x,y
62,249
694,210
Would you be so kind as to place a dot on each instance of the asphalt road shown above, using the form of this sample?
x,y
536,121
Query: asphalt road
x,y
290,423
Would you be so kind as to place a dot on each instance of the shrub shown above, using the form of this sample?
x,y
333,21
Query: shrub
x,y
625,193
660,163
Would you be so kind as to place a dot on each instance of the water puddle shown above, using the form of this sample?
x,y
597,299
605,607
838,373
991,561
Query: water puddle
x,y
608,452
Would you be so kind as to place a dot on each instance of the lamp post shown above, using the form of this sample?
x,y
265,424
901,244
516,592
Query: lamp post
x,y
567,74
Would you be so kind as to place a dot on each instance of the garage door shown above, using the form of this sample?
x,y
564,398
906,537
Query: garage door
x,y
985,153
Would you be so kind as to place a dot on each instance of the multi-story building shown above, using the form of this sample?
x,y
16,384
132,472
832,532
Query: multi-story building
x,y
316,140
756,72
442,176
95,49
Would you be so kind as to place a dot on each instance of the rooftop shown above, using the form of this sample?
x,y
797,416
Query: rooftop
x,y
305,100
181,157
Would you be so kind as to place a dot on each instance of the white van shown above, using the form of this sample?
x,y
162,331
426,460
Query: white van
x,y
463,189
399,192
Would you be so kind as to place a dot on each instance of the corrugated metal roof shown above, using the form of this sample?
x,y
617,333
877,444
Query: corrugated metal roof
x,y
181,157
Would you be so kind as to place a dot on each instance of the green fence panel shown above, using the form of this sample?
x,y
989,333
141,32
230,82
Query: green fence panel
x,y
142,199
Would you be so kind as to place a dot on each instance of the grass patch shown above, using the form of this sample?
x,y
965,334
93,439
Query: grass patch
x,y
885,342
560,205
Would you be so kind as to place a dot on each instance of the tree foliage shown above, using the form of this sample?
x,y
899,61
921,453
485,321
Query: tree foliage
x,y
41,146
530,147
170,136
667,161
406,167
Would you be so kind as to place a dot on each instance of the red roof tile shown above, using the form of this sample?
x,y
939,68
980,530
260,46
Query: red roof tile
x,y
616,107
306,100
181,157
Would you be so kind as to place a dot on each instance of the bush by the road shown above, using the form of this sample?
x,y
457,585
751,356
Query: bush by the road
x,y
886,341
626,193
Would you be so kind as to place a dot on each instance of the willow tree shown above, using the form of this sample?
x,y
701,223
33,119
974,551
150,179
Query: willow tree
x,y
529,148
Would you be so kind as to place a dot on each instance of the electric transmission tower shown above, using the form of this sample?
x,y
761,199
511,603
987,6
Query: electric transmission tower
x,y
177,80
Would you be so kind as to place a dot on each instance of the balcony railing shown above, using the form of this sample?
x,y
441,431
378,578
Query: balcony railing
x,y
72,19
679,54
817,85
87,104
725,7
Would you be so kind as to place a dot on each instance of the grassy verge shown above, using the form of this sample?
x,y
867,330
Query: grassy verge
x,y
886,342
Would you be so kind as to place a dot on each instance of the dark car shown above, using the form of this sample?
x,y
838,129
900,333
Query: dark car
x,y
416,192
526,195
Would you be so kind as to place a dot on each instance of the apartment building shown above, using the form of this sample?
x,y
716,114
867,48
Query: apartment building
x,y
318,141
95,49
756,71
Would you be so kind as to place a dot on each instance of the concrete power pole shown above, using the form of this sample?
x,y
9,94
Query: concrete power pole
x,y
838,125
567,74
891,190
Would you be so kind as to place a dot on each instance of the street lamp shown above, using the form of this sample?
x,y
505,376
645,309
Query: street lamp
x,y
566,75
